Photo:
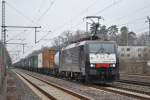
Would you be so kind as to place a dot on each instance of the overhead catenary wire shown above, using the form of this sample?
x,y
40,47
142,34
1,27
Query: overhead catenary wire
x,y
43,37
26,17
107,7
41,5
140,20
130,14
135,12
77,24
132,21
17,35
82,12
19,12
81,22
45,12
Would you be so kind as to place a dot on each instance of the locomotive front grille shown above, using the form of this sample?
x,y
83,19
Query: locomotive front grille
x,y
103,74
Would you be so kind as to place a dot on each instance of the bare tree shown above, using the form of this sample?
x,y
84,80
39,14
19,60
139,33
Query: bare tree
x,y
132,38
112,32
68,36
142,40
56,41
124,35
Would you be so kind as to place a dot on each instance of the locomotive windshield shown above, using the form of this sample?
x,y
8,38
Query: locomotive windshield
x,y
101,48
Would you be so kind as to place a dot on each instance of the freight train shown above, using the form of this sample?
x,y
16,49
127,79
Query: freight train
x,y
89,61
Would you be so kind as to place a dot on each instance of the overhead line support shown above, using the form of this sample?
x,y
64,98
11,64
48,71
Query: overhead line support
x,y
35,27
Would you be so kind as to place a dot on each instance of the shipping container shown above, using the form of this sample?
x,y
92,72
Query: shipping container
x,y
48,58
40,60
52,55
33,60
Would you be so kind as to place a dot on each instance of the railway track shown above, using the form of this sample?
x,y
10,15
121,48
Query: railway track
x,y
124,91
119,90
134,82
51,91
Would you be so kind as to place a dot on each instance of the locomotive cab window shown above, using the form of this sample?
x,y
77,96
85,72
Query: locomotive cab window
x,y
101,48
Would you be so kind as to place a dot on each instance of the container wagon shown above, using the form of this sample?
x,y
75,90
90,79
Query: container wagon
x,y
42,62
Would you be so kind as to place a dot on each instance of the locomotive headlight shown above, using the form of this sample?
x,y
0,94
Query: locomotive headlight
x,y
92,65
112,65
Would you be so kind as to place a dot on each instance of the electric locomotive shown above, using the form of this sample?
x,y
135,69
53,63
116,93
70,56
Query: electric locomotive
x,y
90,61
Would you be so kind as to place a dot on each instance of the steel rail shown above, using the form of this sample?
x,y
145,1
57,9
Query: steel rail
x,y
82,97
119,90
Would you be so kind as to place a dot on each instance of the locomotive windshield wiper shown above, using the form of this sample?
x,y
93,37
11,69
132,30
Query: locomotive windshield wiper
x,y
101,50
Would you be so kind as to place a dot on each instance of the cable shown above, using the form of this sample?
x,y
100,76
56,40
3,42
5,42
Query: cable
x,y
111,5
19,12
51,4
69,21
78,24
82,12
136,11
41,6
16,35
131,22
108,7
65,23
131,13
38,10
43,37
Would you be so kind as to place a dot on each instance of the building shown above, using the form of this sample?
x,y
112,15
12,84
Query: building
x,y
133,59
130,52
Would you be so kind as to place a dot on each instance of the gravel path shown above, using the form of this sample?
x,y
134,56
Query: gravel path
x,y
82,89
18,88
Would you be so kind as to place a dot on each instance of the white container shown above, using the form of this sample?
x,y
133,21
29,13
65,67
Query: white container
x,y
40,60
56,59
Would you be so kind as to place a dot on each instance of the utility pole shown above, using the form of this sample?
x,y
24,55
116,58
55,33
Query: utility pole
x,y
148,20
3,37
3,23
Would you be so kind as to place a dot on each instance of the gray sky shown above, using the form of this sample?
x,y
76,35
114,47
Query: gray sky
x,y
60,15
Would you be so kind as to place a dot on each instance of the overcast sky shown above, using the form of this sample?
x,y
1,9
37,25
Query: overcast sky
x,y
60,15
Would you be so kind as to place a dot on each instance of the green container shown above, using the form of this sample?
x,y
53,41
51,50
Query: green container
x,y
35,61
